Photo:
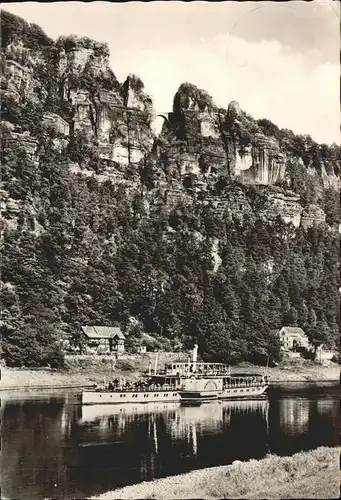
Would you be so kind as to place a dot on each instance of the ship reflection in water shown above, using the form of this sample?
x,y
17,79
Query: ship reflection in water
x,y
295,415
53,447
178,422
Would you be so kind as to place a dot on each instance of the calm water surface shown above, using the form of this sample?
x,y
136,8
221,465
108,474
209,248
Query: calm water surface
x,y
52,447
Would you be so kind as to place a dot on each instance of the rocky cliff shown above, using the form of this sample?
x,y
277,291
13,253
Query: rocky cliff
x,y
216,231
77,93
117,116
67,88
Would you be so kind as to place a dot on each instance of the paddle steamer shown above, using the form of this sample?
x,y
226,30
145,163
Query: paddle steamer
x,y
186,382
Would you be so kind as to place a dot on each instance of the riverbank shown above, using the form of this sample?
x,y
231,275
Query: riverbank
x,y
295,370
313,474
82,373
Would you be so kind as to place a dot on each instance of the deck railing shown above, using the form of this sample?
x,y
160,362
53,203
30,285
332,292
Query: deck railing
x,y
152,388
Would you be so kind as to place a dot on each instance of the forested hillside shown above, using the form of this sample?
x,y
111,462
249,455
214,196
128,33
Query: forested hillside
x,y
218,231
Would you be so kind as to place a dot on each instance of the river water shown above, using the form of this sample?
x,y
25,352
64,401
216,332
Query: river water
x,y
53,447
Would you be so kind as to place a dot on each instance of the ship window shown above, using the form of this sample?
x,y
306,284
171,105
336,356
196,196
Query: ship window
x,y
111,395
121,395
235,390
166,394
241,390
247,390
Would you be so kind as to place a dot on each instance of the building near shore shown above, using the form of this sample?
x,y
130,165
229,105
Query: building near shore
x,y
293,338
103,339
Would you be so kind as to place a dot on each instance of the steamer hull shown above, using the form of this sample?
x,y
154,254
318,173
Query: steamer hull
x,y
119,397
196,396
244,392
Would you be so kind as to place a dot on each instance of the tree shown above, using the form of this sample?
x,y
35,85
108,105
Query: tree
x,y
319,334
33,343
331,207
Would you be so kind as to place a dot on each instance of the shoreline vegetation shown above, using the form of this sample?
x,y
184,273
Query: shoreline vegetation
x,y
86,372
307,474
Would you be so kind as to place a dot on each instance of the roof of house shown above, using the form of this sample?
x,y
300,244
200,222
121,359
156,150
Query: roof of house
x,y
102,332
293,331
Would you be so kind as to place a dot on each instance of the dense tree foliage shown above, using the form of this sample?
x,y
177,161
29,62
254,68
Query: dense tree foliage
x,y
90,251
101,260
32,36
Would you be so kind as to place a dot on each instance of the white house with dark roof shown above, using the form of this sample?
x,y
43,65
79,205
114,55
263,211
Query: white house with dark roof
x,y
293,337
104,339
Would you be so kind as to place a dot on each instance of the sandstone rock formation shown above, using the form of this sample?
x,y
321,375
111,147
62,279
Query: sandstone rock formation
x,y
68,90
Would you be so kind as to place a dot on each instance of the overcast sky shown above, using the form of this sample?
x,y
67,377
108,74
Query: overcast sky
x,y
279,60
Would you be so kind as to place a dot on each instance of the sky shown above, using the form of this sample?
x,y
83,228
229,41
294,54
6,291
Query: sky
x,y
279,60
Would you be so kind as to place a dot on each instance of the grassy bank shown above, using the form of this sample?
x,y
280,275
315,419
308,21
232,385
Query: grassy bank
x,y
313,474
84,371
